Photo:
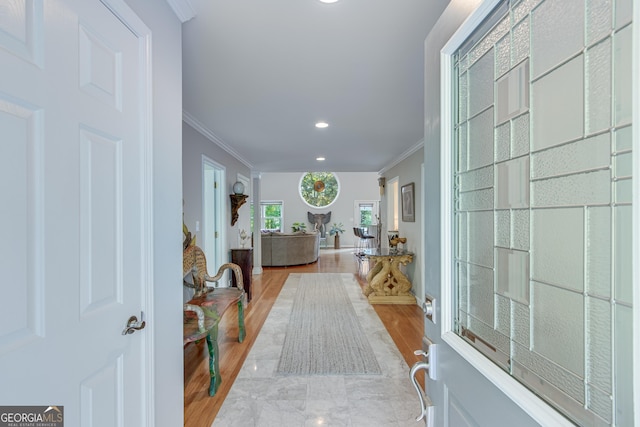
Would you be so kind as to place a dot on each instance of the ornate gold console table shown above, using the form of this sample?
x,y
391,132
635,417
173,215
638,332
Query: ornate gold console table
x,y
386,284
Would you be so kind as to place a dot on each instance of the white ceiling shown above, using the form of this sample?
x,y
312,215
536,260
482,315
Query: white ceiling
x,y
258,74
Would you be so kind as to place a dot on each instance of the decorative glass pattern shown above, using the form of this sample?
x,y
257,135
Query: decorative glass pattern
x,y
481,77
543,201
598,88
503,142
557,33
622,75
599,240
521,44
598,20
480,144
521,130
558,105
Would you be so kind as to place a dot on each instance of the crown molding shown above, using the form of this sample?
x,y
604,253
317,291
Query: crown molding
x,y
403,156
183,9
204,131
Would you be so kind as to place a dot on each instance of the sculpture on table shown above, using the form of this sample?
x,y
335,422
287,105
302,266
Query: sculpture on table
x,y
319,221
395,241
244,237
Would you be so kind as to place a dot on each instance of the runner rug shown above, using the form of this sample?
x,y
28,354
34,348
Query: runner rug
x,y
324,335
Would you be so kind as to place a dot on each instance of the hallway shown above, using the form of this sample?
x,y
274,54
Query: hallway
x,y
200,409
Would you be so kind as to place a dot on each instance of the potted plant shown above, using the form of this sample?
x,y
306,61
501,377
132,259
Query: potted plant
x,y
298,226
336,229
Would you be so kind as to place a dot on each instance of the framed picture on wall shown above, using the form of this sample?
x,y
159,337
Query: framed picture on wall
x,y
408,203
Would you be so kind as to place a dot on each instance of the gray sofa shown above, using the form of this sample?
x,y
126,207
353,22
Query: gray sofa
x,y
281,249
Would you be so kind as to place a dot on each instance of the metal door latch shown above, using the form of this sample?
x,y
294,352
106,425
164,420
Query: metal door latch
x,y
429,307
134,325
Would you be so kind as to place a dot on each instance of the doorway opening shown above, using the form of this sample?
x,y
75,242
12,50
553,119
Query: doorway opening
x,y
213,203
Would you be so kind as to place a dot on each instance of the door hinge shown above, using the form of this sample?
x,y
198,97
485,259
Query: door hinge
x,y
215,234
215,184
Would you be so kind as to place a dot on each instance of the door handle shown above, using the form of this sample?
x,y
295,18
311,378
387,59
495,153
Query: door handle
x,y
134,325
426,408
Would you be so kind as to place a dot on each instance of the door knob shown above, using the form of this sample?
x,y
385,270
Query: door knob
x,y
134,325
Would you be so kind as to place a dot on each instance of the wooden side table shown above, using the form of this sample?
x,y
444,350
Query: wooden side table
x,y
244,258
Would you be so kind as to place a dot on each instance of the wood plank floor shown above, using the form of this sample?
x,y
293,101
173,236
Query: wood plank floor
x,y
404,323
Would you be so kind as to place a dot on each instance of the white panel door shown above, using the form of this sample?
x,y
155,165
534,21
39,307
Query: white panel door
x,y
74,239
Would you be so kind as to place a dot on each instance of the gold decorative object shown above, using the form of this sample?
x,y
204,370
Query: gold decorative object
x,y
396,240
386,283
318,186
237,200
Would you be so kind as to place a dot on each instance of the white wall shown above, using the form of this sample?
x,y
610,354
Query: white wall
x,y
353,186
167,192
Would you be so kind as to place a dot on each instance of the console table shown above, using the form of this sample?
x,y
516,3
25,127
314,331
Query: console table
x,y
244,258
386,284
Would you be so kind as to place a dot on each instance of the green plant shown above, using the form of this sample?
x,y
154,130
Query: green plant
x,y
336,229
299,226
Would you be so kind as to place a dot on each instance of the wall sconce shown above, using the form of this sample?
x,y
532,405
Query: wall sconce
x,y
381,182
237,199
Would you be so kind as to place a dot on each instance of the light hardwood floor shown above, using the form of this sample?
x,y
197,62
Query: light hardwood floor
x,y
404,323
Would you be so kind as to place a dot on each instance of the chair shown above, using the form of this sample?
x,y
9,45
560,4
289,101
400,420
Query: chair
x,y
203,312
359,254
366,240
356,232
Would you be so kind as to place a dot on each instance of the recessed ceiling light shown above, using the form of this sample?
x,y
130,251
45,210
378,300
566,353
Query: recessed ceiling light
x,y
322,125
328,1
320,159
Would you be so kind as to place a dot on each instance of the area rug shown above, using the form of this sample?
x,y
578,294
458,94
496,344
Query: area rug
x,y
324,335
260,397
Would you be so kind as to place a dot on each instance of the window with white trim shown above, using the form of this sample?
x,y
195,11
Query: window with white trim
x,y
271,216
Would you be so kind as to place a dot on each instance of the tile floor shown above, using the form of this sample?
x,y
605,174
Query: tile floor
x,y
260,398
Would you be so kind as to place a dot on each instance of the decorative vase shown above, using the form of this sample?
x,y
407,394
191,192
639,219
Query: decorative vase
x,y
336,242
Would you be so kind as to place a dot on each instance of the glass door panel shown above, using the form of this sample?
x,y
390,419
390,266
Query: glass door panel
x,y
542,201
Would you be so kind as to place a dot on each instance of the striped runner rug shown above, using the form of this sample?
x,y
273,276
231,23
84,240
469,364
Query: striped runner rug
x,y
324,335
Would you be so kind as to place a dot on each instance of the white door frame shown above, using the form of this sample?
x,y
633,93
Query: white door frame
x,y
133,22
213,203
636,205
130,19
